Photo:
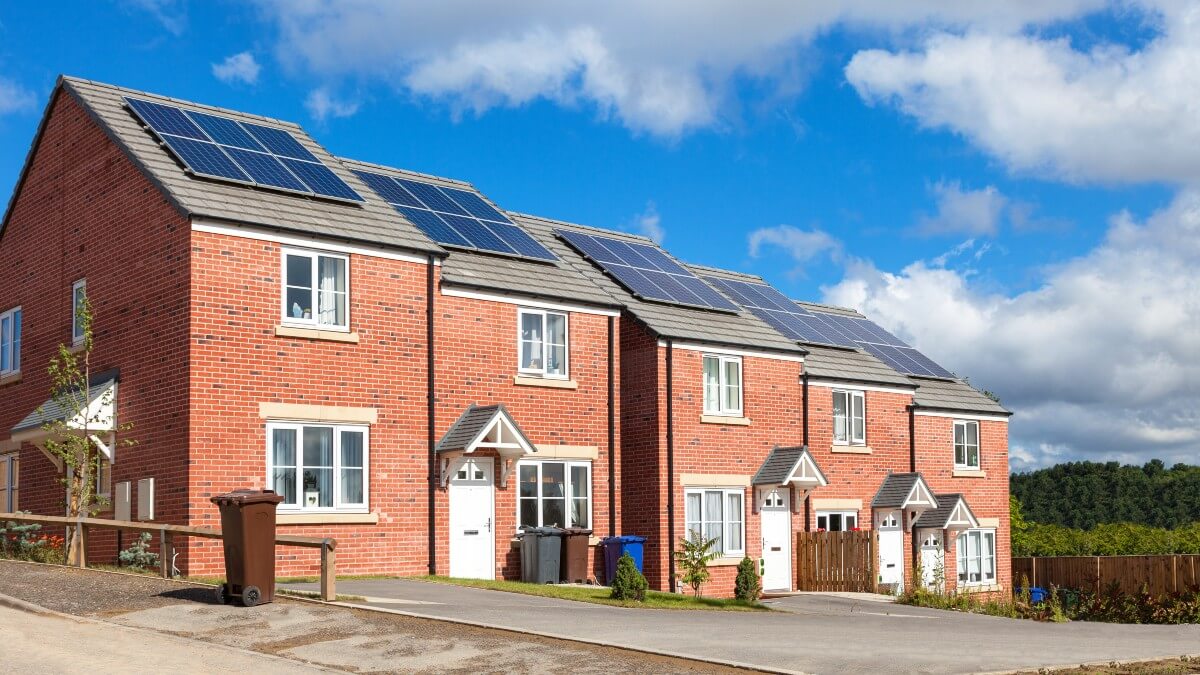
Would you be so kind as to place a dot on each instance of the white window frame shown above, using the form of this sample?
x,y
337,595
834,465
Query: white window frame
x,y
76,329
10,489
851,396
314,255
541,371
10,329
964,555
568,490
338,506
966,447
722,384
726,551
837,512
103,477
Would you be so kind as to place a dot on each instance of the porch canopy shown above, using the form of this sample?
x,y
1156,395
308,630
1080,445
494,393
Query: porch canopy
x,y
792,467
906,492
95,410
488,427
952,513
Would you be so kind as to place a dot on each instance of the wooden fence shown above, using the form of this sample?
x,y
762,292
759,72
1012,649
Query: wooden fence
x,y
167,533
1159,573
836,561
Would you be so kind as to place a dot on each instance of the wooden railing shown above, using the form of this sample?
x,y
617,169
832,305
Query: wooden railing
x,y
1158,573
167,533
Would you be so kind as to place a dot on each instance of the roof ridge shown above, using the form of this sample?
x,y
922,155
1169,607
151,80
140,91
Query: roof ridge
x,y
822,305
557,221
422,174
184,102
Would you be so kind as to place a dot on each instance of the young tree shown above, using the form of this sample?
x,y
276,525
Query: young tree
x,y
74,437
693,556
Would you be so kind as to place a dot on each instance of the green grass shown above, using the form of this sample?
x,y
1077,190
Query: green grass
x,y
600,595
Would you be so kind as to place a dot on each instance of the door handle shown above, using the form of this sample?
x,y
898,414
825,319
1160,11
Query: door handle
x,y
470,532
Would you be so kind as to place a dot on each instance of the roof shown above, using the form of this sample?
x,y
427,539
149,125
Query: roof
x,y
941,518
51,411
830,309
781,464
954,395
506,274
373,222
472,423
851,364
896,488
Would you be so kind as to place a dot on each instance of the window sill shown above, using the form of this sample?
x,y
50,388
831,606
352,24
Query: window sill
x,y
75,348
851,449
316,334
525,381
726,562
11,378
327,518
967,589
969,473
725,419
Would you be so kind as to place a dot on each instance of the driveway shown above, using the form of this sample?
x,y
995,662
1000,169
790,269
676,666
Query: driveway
x,y
811,633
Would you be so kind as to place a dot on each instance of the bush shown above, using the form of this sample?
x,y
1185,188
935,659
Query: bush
x,y
628,584
25,541
138,556
693,556
747,586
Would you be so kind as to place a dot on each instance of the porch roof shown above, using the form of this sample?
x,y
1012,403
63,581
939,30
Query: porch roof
x,y
952,513
96,408
790,465
904,490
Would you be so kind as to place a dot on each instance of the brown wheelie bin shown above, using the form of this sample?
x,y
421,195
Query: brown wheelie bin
x,y
248,530
574,566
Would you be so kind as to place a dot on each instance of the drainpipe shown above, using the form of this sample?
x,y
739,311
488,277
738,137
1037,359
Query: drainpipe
x,y
612,424
912,438
670,466
804,408
429,394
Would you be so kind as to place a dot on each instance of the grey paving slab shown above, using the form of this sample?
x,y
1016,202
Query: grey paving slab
x,y
812,633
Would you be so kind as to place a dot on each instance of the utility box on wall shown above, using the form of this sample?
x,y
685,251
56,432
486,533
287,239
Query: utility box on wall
x,y
146,499
122,500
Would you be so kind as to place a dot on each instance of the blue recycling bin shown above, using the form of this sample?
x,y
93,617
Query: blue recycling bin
x,y
1037,595
615,547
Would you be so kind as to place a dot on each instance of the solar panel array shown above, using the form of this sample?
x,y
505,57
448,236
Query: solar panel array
x,y
838,330
220,147
647,271
455,217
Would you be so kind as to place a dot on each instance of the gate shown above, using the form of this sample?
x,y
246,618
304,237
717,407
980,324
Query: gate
x,y
836,561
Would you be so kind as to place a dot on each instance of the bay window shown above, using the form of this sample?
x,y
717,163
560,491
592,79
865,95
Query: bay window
x,y
849,418
554,494
966,445
316,289
542,343
717,514
10,341
318,467
722,385
976,553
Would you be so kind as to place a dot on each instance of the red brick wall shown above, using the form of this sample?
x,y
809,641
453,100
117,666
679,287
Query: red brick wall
x,y
84,210
643,443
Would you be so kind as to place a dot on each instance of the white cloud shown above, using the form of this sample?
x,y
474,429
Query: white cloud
x,y
1098,362
172,14
801,245
649,224
972,212
1043,106
322,105
664,67
237,68
14,97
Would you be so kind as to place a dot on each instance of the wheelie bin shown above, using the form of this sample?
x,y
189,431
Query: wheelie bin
x,y
574,565
541,552
248,533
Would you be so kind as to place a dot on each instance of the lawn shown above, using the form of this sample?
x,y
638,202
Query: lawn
x,y
600,595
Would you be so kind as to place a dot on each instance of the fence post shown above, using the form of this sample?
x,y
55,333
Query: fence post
x,y
1098,586
82,533
164,553
328,572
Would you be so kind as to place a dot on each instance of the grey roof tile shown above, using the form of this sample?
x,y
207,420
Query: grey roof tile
x,y
373,222
472,421
939,517
852,365
895,490
51,411
780,463
954,395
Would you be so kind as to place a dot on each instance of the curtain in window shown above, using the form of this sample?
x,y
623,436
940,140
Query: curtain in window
x,y
556,344
839,416
554,495
318,467
712,384
283,459
529,495
352,467
5,343
733,527
580,495
714,516
299,296
858,415
531,341
733,386
332,291
972,444
692,515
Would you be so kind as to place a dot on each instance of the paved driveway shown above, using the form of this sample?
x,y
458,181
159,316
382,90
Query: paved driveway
x,y
813,633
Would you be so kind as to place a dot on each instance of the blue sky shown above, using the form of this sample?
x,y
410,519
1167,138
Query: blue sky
x,y
972,177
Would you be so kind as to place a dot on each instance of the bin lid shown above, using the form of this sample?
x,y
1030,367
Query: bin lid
x,y
624,539
543,531
577,532
244,497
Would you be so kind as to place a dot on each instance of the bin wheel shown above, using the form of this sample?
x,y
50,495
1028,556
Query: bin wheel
x,y
222,595
251,596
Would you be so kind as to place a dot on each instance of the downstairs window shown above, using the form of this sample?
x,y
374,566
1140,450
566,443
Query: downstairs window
x,y
318,467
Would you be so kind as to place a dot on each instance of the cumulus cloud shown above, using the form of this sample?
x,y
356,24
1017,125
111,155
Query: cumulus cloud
x,y
237,68
803,246
14,97
1098,362
1046,107
322,105
649,224
665,68
959,211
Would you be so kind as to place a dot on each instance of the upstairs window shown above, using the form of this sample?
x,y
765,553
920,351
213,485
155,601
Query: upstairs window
x,y
849,418
966,445
78,294
10,342
316,289
542,343
722,385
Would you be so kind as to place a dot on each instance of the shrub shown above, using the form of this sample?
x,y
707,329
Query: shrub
x,y
693,556
27,542
747,586
628,583
138,556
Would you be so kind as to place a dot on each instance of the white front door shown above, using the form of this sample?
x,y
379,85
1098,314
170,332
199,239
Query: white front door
x,y
891,548
933,560
472,519
776,521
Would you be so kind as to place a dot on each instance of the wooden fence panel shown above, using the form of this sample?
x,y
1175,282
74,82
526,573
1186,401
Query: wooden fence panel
x,y
835,561
1158,573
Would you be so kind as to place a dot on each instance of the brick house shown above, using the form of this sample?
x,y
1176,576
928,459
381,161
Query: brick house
x,y
422,374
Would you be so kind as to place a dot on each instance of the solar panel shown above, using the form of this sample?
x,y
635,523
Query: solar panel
x,y
455,217
220,147
646,271
802,325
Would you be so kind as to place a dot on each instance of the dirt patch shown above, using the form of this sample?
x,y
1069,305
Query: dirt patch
x,y
1162,667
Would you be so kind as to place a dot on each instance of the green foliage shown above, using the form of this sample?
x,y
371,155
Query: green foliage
x,y
1084,495
138,556
1037,539
25,541
747,586
693,556
628,583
